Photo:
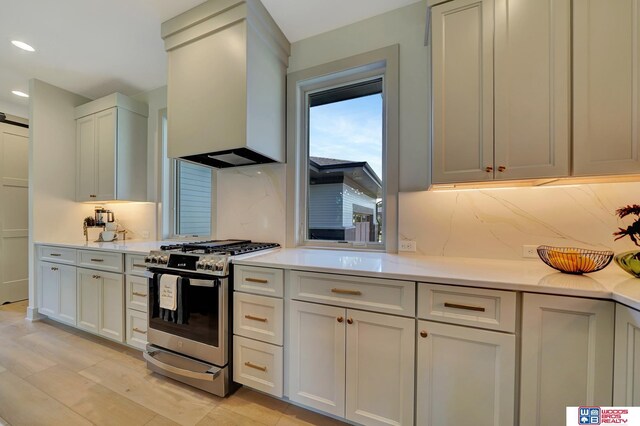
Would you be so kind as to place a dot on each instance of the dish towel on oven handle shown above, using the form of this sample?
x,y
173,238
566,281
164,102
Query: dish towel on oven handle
x,y
169,292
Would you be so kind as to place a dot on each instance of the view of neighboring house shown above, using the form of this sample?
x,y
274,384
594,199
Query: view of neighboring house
x,y
343,199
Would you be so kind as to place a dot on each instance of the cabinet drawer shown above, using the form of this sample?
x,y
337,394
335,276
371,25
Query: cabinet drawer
x,y
136,329
265,281
58,255
372,294
258,317
134,264
492,309
104,260
136,293
258,365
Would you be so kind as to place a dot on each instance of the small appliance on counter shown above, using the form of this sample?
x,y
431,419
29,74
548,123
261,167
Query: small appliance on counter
x,y
102,227
103,216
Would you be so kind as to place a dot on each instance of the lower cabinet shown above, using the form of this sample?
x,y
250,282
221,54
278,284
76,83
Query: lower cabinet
x,y
353,364
57,284
100,307
464,373
566,356
626,382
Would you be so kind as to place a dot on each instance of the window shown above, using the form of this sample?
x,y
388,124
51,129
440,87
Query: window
x,y
187,194
344,156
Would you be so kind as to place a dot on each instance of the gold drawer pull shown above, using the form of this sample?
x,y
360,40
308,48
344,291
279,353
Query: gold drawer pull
x,y
97,260
257,280
251,317
55,254
137,330
135,293
97,277
92,196
257,367
53,268
342,291
465,307
139,265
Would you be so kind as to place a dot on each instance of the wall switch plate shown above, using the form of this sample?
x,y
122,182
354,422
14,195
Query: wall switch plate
x,y
407,245
529,251
145,234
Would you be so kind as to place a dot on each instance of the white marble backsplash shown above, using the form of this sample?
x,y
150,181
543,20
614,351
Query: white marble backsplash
x,y
496,223
251,203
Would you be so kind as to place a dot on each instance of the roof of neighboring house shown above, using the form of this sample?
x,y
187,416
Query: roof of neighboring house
x,y
327,170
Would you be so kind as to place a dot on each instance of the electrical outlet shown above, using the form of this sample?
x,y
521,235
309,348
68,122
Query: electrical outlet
x,y
145,234
529,251
407,245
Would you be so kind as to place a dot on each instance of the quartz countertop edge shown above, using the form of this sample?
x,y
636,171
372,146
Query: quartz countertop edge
x,y
515,275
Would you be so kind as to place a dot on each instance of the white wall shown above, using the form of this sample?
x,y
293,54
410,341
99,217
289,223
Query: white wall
x,y
496,223
406,27
17,109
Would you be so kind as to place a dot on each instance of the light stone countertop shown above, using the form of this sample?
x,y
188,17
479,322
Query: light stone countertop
x,y
520,275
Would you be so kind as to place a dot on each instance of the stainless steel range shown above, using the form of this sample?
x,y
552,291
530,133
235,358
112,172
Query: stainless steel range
x,y
190,340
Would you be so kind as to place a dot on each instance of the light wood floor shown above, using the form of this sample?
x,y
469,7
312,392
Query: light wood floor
x,y
56,375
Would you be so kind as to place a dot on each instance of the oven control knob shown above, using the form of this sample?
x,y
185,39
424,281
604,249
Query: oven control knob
x,y
153,259
208,266
219,266
163,260
200,264
147,259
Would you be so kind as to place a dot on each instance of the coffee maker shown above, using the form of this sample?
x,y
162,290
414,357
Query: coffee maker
x,y
103,216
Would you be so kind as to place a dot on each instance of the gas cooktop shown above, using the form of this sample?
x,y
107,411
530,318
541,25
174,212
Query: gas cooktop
x,y
230,247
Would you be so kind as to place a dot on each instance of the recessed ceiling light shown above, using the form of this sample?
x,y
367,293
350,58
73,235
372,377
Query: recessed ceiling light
x,y
22,45
19,93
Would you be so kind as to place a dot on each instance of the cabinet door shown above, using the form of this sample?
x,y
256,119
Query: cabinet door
x,y
88,299
606,92
462,69
626,382
532,87
106,122
111,306
567,356
49,285
465,373
86,158
380,368
317,356
68,293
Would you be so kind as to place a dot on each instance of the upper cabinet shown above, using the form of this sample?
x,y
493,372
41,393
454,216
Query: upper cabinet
x,y
111,156
226,84
606,96
511,78
501,85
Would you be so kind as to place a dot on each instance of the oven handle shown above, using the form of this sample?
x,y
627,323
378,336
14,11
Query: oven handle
x,y
209,375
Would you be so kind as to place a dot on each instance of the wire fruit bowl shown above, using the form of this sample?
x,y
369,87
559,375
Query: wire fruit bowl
x,y
571,260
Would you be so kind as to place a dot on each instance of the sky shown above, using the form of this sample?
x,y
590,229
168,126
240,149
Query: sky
x,y
348,130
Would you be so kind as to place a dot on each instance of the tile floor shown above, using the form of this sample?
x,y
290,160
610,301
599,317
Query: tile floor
x,y
52,374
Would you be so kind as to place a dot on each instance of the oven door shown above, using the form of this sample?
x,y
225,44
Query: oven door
x,y
201,331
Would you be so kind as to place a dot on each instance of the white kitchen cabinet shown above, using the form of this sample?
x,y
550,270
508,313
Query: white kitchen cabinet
x,y
626,380
353,364
501,84
101,303
111,150
136,299
566,356
464,375
57,286
606,95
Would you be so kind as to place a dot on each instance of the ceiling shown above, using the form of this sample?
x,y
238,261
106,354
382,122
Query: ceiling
x,y
94,48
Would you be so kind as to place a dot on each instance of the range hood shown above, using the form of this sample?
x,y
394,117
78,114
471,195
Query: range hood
x,y
227,62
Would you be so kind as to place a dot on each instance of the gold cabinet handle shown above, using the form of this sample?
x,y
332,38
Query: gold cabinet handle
x,y
135,293
97,277
349,320
139,265
251,317
488,169
343,291
340,319
257,367
97,260
464,307
257,280
137,330
502,168
55,254
92,196
423,333
53,268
